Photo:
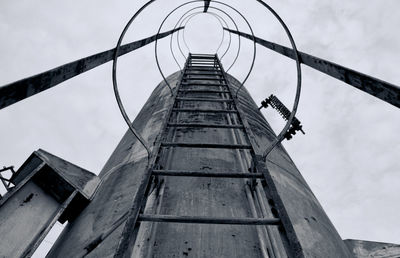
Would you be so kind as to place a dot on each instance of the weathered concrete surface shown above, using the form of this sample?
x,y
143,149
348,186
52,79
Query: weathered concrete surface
x,y
197,196
121,175
80,179
315,232
368,249
47,189
190,196
23,217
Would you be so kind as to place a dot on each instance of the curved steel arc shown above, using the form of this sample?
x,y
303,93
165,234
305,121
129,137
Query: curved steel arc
x,y
281,136
170,43
239,38
254,42
218,2
115,84
209,13
171,39
156,44
181,20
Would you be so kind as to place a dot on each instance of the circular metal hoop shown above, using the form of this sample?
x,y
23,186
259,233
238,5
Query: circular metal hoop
x,y
239,38
194,1
281,135
181,20
189,18
115,84
279,138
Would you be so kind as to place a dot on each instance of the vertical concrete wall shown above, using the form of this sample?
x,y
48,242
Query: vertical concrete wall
x,y
315,232
367,249
121,176
23,217
89,235
194,196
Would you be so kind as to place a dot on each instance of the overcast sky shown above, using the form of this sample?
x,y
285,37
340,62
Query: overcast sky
x,y
349,155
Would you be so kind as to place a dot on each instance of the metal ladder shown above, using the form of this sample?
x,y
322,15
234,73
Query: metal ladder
x,y
200,73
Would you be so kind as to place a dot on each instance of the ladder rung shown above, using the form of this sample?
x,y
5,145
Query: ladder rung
x,y
205,100
207,220
205,145
201,63
202,60
204,125
206,174
203,68
205,91
203,84
203,110
211,67
204,78
216,74
203,57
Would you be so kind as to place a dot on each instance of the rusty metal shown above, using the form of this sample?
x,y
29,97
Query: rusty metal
x,y
22,89
207,174
207,220
385,91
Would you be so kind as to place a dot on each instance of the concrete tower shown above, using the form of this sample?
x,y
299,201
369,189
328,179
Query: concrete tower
x,y
207,195
189,179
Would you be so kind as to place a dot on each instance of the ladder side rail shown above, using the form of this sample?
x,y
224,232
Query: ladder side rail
x,y
290,234
127,236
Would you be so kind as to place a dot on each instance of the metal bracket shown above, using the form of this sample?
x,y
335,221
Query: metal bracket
x,y
6,181
275,103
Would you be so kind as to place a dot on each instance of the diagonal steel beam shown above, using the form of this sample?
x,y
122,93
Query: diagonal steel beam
x,y
385,91
19,90
206,5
